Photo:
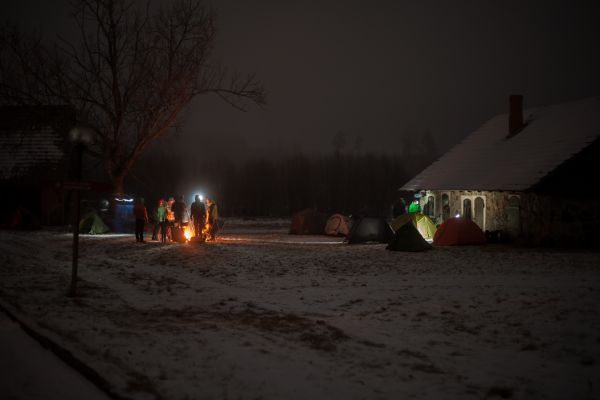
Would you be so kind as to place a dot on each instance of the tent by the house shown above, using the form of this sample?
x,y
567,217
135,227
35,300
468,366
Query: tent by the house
x,y
338,225
414,207
370,230
308,222
422,222
408,238
92,223
458,231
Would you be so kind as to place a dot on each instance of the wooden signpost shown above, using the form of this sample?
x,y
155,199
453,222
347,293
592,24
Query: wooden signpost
x,y
77,187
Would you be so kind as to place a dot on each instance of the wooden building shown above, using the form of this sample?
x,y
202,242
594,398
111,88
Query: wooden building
x,y
34,158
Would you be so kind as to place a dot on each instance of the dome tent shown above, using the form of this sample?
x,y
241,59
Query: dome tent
x,y
338,225
458,231
408,238
92,224
370,230
422,222
308,222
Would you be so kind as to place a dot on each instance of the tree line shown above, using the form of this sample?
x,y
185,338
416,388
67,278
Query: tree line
x,y
351,184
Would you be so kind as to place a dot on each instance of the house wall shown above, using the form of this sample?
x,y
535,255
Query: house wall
x,y
550,220
530,218
497,210
42,198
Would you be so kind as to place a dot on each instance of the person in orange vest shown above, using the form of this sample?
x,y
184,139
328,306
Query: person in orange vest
x,y
141,217
170,218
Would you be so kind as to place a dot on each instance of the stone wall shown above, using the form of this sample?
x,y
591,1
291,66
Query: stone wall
x,y
532,219
496,217
558,221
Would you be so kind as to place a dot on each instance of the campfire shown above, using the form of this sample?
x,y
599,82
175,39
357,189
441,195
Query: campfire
x,y
187,233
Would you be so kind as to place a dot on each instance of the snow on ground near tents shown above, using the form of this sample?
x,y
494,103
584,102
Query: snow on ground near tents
x,y
257,316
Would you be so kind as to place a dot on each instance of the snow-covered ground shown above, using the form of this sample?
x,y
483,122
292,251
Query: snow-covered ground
x,y
31,372
262,314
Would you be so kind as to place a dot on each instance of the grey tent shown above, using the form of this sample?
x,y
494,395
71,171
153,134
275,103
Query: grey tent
x,y
370,230
408,238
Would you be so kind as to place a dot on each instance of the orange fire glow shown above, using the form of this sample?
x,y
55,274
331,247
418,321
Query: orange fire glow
x,y
187,233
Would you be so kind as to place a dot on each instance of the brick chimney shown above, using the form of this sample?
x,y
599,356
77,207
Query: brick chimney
x,y
515,116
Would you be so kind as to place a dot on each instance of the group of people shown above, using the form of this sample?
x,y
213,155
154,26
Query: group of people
x,y
170,217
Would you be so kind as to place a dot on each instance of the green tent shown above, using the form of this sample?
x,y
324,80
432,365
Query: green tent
x,y
407,238
422,222
92,223
414,208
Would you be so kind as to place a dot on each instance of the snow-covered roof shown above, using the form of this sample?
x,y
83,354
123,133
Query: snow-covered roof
x,y
24,150
488,160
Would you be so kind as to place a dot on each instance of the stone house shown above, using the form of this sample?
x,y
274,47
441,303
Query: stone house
x,y
529,174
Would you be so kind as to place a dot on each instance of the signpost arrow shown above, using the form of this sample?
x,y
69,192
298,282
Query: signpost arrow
x,y
92,186
77,185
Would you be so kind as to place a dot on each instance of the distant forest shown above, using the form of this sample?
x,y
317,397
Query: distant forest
x,y
345,182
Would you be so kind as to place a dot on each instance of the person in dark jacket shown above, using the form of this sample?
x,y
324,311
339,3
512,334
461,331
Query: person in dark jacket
x,y
141,217
179,210
198,213
155,221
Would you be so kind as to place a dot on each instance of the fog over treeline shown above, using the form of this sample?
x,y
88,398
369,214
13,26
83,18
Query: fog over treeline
x,y
343,178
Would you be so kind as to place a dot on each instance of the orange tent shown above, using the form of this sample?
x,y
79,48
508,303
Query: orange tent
x,y
458,231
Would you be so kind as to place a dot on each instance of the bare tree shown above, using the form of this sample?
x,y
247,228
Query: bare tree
x,y
130,75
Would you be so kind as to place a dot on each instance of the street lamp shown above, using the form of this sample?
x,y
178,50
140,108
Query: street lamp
x,y
80,137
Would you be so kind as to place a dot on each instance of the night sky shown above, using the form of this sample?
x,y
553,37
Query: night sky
x,y
378,70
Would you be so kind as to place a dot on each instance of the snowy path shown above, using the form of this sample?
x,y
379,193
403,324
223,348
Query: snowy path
x,y
255,316
30,372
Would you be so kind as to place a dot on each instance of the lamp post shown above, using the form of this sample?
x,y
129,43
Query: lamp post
x,y
80,136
